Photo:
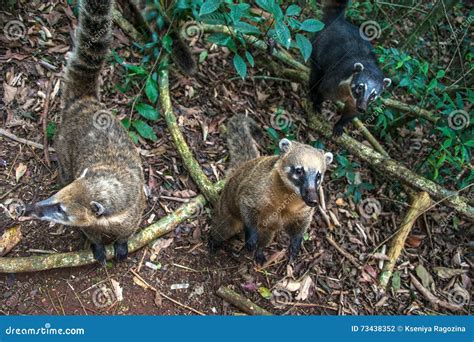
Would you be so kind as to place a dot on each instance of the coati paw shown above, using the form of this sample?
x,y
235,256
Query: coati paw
x,y
121,251
213,246
98,250
260,257
337,131
251,243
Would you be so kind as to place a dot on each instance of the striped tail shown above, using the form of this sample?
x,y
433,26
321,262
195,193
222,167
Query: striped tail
x,y
241,134
93,38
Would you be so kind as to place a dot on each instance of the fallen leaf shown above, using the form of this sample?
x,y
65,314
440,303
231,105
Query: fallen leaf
x,y
425,276
250,286
305,287
140,283
340,202
20,171
447,273
158,299
9,239
396,281
264,292
414,241
117,289
161,244
290,285
9,93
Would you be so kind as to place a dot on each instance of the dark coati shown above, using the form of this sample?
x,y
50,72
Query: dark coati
x,y
343,66
99,165
140,14
266,194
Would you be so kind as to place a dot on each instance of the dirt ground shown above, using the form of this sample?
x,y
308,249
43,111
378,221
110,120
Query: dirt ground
x,y
322,281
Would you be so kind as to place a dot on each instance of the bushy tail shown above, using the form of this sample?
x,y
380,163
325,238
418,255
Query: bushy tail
x,y
241,134
93,37
333,9
137,12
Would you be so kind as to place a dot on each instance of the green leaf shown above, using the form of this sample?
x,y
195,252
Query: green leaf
x,y
133,136
396,281
209,6
250,59
264,292
151,90
273,133
267,5
144,130
311,25
440,74
50,130
126,123
246,28
293,10
283,34
147,111
203,55
304,45
240,66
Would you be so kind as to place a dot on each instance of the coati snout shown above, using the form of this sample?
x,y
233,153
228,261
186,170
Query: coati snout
x,y
304,167
366,86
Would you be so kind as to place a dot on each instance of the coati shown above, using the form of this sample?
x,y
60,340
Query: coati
x,y
265,194
343,66
140,14
99,166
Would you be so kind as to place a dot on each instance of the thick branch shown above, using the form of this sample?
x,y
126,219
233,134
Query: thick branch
x,y
419,204
244,304
142,238
193,167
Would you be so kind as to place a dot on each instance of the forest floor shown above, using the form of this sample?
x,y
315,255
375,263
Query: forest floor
x,y
321,281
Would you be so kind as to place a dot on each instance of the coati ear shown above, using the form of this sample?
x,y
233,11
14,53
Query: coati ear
x,y
358,67
97,208
328,157
284,145
387,82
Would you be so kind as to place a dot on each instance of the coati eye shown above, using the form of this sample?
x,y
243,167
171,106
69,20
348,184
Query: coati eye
x,y
360,87
60,209
299,171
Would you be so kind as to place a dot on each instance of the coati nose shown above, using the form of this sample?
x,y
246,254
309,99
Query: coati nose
x,y
311,202
362,108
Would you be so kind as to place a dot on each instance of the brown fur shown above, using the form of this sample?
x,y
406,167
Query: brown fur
x,y
98,161
260,196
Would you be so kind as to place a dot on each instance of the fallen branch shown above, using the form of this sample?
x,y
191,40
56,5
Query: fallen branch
x,y
434,301
344,253
44,118
74,259
419,204
13,137
193,167
241,302
126,27
392,168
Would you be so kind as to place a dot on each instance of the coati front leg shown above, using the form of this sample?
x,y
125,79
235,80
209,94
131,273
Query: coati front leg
x,y
121,249
296,231
316,98
98,248
264,239
348,114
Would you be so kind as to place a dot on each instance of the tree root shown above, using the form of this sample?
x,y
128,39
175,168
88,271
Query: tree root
x,y
193,167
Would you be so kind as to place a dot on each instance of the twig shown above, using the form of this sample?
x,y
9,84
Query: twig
x,y
435,301
44,119
167,297
13,137
420,202
193,167
142,238
126,27
241,302
346,254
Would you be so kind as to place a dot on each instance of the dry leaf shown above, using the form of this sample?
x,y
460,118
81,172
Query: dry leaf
x,y
290,285
117,289
140,283
447,273
425,276
9,239
161,244
305,287
9,93
20,171
414,241
158,299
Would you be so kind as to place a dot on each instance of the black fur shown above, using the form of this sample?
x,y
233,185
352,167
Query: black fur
x,y
336,50
98,250
121,250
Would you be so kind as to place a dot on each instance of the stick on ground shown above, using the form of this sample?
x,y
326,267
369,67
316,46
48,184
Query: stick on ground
x,y
241,302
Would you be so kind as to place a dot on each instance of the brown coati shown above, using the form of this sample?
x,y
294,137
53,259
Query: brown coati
x,y
142,14
266,194
99,166
343,66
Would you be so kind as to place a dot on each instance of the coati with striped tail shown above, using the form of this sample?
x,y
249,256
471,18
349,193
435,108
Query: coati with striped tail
x,y
343,66
100,168
264,195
